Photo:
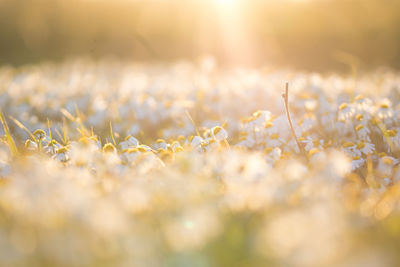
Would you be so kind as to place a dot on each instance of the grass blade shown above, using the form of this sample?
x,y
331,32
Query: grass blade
x,y
20,125
10,140
112,134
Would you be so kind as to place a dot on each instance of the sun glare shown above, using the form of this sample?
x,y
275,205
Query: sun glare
x,y
225,3
233,29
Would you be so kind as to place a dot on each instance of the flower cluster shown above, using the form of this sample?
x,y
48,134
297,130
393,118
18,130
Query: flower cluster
x,y
118,164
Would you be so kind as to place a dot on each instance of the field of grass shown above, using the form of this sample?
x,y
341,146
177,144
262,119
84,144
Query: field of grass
x,y
104,163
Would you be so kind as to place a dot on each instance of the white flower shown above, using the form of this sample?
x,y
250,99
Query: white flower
x,y
363,104
385,112
356,163
219,133
363,132
130,155
311,143
259,118
346,112
195,141
210,144
386,165
394,137
351,149
272,154
160,143
274,140
61,155
175,146
130,142
30,145
317,156
246,142
52,147
144,148
366,148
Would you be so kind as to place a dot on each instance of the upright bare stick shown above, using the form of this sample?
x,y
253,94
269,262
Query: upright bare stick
x,y
286,100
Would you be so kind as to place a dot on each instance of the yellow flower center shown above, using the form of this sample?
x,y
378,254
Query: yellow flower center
x,y
391,133
217,129
268,150
274,136
179,149
359,127
387,161
301,139
384,105
313,151
142,149
269,124
108,148
360,145
39,133
62,150
348,144
343,106
257,114
131,150
359,117
381,154
359,97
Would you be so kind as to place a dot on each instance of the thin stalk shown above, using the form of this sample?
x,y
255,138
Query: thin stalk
x,y
286,100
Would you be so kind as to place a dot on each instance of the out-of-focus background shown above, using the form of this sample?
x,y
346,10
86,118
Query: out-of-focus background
x,y
319,35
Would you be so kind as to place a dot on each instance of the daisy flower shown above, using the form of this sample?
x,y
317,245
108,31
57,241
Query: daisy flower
x,y
363,132
365,147
386,165
346,112
61,154
219,133
356,163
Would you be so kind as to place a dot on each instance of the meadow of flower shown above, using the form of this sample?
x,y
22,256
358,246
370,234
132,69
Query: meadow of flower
x,y
109,163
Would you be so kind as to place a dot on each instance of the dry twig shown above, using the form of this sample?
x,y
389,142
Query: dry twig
x,y
286,100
